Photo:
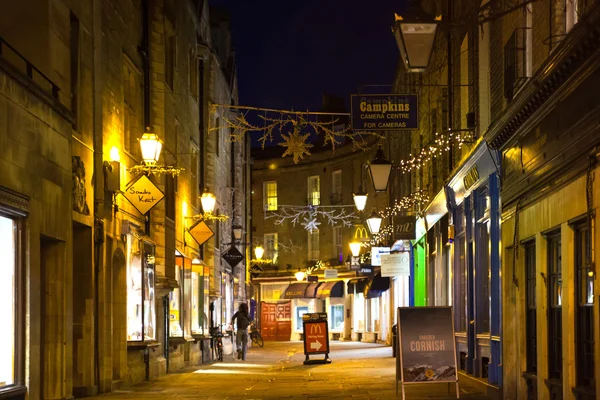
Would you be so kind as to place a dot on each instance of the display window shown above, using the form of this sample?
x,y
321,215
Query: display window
x,y
359,312
175,307
141,306
196,303
8,295
336,319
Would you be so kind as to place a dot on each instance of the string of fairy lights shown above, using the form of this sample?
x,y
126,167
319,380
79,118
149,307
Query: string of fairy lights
x,y
441,143
418,198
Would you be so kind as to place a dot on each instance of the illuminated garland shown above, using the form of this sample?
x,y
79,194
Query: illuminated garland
x,y
307,215
154,170
435,148
419,198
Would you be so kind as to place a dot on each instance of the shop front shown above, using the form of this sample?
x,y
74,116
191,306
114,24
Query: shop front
x,y
473,197
370,308
332,295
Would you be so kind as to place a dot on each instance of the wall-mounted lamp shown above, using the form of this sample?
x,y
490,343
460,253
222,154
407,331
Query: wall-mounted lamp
x,y
259,251
151,147
209,201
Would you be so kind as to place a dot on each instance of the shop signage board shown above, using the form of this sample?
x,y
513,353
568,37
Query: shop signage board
x,y
233,256
143,194
330,273
404,227
316,337
355,263
201,232
312,278
376,253
427,351
395,264
384,112
365,270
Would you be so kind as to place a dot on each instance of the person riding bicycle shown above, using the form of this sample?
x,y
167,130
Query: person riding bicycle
x,y
241,337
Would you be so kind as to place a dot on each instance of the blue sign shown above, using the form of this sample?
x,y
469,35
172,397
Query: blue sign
x,y
384,112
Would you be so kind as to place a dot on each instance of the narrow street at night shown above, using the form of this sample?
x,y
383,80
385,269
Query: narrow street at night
x,y
358,371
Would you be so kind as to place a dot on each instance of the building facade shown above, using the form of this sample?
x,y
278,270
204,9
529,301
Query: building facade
x,y
129,290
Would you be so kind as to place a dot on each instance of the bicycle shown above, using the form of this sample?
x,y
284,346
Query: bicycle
x,y
217,336
255,336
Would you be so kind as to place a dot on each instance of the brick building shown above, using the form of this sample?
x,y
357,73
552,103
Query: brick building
x,y
80,82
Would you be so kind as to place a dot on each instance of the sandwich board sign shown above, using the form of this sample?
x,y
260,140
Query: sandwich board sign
x,y
316,337
427,350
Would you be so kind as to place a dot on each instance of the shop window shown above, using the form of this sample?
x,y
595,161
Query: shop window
x,y
336,317
175,305
313,245
584,316
271,245
300,311
196,303
205,301
462,282
531,313
359,312
554,308
314,190
8,294
483,271
270,195
141,304
374,314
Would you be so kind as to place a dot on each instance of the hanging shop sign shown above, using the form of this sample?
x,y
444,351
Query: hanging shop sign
x,y
201,232
316,337
143,194
354,263
396,264
330,273
365,271
427,348
233,256
376,253
384,112
404,227
312,278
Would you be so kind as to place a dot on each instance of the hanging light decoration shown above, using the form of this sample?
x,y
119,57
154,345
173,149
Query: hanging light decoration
x,y
151,147
374,222
360,198
380,170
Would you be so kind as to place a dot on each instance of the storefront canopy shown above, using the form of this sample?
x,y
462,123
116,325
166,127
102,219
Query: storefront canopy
x,y
376,286
311,290
358,284
330,289
295,291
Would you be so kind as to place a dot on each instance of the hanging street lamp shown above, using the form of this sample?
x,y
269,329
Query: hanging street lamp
x,y
380,170
151,147
415,33
237,232
360,198
374,222
259,251
208,201
355,248
300,275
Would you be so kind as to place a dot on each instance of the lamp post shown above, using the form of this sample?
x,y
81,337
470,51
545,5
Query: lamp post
x,y
380,169
360,198
415,33
374,222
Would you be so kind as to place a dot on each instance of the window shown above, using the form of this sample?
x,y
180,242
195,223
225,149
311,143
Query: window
x,y
584,316
131,115
170,45
205,301
462,290
193,71
8,294
175,303
571,14
196,303
314,190
530,312
270,195
313,245
338,253
336,317
271,247
217,131
518,62
170,196
74,47
300,311
554,308
336,187
194,172
359,312
141,304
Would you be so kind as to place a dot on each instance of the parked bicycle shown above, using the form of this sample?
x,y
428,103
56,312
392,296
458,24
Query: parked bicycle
x,y
217,338
255,335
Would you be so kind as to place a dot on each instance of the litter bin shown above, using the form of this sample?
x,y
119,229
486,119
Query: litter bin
x,y
394,339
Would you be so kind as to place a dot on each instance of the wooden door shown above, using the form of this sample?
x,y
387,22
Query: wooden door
x,y
284,321
268,320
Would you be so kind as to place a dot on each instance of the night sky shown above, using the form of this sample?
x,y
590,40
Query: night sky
x,y
290,52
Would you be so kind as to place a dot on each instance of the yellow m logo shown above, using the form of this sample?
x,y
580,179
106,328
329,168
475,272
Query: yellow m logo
x,y
315,328
360,231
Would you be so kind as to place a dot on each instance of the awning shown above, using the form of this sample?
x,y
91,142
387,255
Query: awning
x,y
376,286
359,284
311,290
295,291
331,289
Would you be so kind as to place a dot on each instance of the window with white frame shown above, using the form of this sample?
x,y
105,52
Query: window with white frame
x,y
314,190
336,187
271,247
10,301
270,195
141,304
313,245
337,243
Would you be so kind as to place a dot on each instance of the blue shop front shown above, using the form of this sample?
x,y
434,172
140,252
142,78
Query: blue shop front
x,y
473,197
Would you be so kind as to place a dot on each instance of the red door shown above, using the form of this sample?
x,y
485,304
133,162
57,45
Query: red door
x,y
276,321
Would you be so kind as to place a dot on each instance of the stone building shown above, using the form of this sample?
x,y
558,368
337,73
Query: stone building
x,y
81,81
509,238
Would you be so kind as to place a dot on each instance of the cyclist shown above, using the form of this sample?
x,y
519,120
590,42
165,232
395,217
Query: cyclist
x,y
241,337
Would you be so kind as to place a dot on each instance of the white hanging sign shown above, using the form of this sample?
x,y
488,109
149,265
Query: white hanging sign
x,y
330,273
396,264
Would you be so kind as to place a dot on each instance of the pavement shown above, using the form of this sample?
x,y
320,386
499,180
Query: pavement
x,y
358,371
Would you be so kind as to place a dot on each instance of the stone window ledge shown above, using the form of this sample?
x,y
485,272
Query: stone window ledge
x,y
142,345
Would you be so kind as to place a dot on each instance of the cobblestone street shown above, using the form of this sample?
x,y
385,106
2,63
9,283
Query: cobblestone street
x,y
357,371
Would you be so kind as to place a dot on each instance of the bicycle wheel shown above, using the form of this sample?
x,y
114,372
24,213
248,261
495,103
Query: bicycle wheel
x,y
257,339
220,354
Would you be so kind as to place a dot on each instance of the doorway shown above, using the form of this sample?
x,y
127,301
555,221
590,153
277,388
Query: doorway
x,y
276,321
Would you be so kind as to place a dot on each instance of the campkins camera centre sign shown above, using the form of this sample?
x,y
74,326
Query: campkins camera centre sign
x,y
427,348
384,112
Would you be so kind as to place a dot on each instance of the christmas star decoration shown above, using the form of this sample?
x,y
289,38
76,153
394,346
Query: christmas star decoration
x,y
311,224
296,145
